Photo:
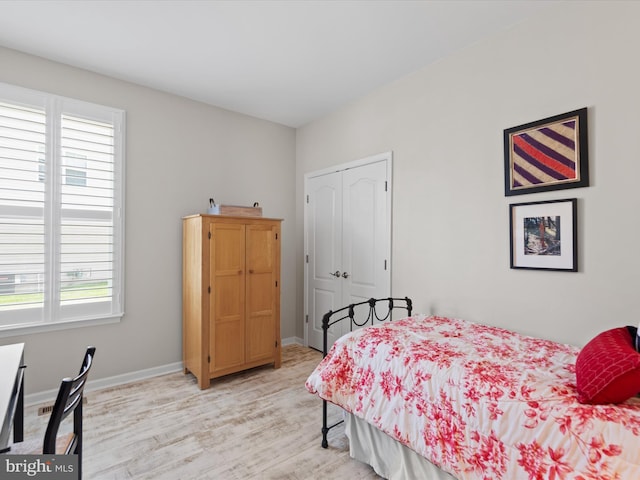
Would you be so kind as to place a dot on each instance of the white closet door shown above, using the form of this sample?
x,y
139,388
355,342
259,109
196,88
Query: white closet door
x,y
324,250
348,242
365,235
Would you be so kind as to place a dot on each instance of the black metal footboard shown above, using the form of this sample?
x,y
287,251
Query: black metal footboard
x,y
333,317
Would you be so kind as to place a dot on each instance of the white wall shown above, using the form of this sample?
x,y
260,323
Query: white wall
x,y
444,125
178,154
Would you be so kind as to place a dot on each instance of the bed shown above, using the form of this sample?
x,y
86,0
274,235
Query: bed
x,y
436,397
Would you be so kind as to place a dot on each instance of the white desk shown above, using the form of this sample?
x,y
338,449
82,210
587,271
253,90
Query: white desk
x,y
11,393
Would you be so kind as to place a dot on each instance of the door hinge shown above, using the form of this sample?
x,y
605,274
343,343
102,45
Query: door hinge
x,y
276,343
307,198
385,264
209,235
306,319
276,283
208,358
209,289
385,185
276,236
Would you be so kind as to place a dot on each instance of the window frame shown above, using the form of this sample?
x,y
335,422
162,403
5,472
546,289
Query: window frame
x,y
57,106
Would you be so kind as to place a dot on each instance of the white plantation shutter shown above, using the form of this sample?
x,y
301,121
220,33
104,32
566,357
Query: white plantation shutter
x,y
22,202
61,211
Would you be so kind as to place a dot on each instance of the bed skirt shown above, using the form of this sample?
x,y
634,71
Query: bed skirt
x,y
389,458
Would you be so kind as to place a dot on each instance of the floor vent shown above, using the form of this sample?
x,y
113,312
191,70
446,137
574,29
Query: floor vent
x,y
44,410
48,408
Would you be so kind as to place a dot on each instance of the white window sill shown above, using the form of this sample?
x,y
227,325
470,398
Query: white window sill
x,y
16,330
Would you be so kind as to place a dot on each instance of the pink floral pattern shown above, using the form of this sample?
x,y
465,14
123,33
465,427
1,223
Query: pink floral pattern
x,y
480,402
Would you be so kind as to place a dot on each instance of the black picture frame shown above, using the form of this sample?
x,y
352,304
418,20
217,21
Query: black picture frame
x,y
544,235
548,154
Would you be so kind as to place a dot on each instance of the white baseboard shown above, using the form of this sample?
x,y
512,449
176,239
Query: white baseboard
x,y
49,396
292,341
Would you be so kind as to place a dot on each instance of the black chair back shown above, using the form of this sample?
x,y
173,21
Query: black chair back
x,y
68,401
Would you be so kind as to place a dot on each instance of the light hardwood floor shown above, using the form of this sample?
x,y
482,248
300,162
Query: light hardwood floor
x,y
259,424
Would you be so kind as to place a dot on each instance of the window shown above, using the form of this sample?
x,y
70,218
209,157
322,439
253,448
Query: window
x,y
61,211
75,172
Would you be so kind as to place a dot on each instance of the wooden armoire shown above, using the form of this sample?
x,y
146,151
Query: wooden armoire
x,y
230,294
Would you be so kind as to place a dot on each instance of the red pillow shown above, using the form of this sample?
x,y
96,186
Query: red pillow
x,y
608,368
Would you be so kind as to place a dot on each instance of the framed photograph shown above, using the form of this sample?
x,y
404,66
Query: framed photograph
x,y
549,154
544,235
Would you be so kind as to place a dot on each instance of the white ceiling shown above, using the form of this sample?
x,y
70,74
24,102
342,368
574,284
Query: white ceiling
x,y
285,61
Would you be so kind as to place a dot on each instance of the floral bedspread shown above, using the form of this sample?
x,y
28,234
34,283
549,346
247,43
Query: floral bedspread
x,y
480,402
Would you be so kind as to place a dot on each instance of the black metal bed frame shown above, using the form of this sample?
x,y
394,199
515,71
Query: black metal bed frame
x,y
372,315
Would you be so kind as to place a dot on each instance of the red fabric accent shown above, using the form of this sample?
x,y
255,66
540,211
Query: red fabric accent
x,y
608,368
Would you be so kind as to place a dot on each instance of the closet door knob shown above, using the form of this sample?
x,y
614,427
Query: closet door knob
x,y
337,274
345,274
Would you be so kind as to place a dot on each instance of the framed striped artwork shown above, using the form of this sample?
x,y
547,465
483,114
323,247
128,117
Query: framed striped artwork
x,y
549,154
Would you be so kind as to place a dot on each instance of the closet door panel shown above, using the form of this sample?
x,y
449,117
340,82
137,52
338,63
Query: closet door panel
x,y
324,250
365,233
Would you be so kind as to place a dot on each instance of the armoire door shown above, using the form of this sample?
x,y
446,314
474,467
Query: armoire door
x,y
261,291
227,308
348,241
